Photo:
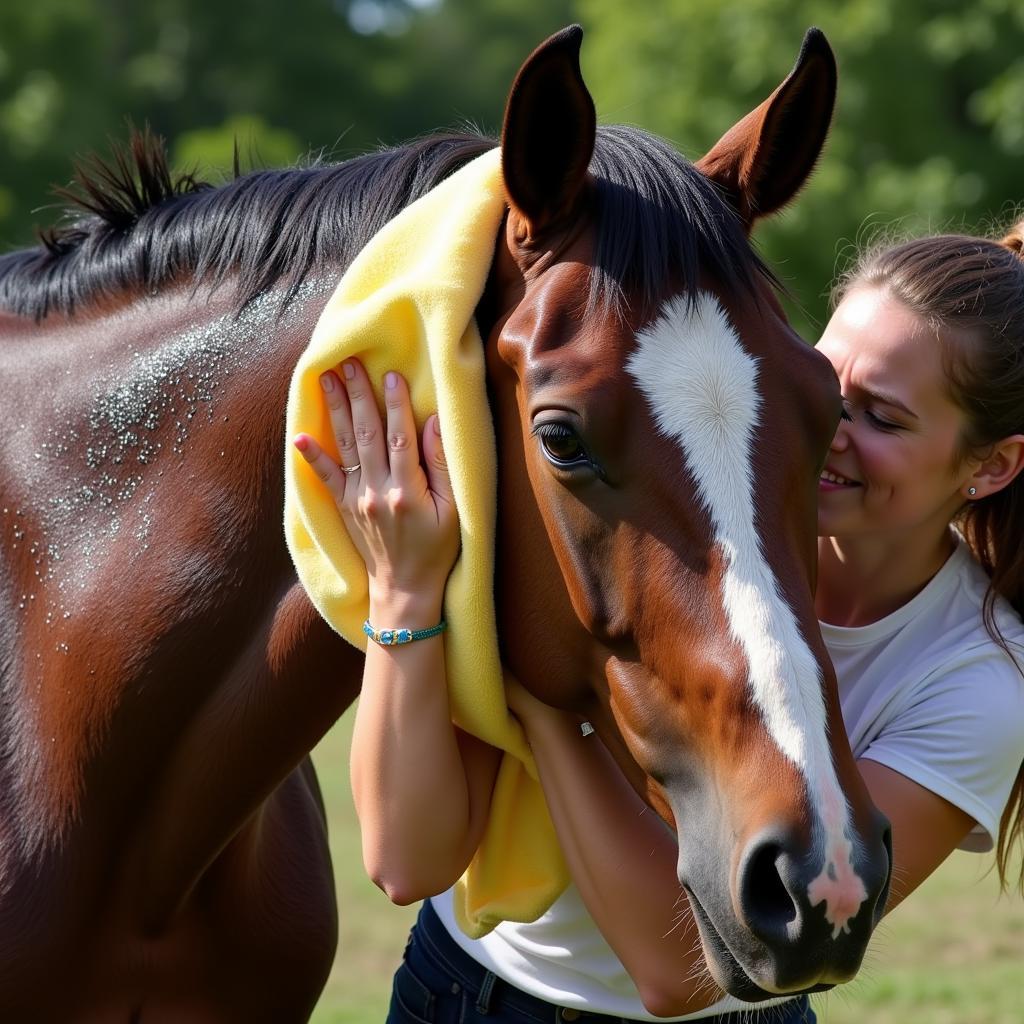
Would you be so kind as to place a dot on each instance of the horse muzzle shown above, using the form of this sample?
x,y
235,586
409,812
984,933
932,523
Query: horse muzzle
x,y
786,922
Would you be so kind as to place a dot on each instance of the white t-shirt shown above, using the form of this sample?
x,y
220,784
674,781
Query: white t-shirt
x,y
924,691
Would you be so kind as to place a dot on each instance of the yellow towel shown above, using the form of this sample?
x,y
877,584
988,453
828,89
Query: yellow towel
x,y
407,304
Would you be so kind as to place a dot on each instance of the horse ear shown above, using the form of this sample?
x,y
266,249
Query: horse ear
x,y
548,135
764,160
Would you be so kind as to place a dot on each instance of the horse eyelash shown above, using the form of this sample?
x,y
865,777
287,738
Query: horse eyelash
x,y
538,431
552,429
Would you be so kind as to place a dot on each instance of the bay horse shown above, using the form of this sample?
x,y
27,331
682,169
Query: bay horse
x,y
163,850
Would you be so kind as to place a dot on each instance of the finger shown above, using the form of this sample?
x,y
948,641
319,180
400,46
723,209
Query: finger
x,y
436,463
341,419
401,431
323,465
366,423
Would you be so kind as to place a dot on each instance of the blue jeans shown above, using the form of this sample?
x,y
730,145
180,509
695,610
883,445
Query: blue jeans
x,y
439,983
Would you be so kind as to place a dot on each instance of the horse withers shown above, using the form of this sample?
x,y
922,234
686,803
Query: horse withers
x,y
660,428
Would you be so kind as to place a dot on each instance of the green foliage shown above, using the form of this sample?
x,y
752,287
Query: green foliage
x,y
212,150
929,127
288,79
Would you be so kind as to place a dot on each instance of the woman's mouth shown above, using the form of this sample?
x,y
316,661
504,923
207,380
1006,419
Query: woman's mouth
x,y
831,481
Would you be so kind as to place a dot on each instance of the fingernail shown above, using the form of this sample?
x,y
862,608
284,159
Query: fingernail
x,y
390,380
350,370
437,425
301,442
327,382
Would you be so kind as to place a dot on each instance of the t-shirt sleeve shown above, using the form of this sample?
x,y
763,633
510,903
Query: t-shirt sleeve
x,y
962,737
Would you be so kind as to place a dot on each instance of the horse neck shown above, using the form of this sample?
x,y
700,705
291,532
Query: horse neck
x,y
142,491
187,387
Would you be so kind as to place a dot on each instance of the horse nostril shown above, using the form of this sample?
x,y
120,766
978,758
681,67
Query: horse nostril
x,y
765,900
883,892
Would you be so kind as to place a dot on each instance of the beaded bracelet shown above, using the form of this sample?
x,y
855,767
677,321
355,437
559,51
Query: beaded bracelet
x,y
394,637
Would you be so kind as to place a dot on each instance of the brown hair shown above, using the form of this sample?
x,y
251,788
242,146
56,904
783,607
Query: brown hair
x,y
973,289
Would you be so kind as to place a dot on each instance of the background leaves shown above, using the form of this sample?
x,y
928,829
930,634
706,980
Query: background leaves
x,y
929,128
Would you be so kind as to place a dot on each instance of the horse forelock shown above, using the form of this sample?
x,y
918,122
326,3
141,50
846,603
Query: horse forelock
x,y
661,227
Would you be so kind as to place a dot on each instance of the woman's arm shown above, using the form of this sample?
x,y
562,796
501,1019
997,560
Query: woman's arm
x,y
622,858
421,786
926,829
609,835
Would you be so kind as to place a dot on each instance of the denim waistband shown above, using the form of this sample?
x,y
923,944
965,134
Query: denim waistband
x,y
490,991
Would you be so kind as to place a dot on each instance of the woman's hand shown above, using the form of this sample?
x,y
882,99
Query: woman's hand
x,y
529,709
399,512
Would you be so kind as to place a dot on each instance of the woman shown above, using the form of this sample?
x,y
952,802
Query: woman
x,y
920,593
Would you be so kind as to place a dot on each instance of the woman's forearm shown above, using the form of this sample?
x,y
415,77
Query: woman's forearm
x,y
421,786
623,861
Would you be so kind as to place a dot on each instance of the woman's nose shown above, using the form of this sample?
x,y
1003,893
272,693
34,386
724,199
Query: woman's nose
x,y
841,438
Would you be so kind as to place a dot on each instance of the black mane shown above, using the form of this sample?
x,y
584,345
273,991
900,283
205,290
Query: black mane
x,y
133,226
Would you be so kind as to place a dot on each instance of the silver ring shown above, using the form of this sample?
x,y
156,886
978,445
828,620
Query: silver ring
x,y
348,470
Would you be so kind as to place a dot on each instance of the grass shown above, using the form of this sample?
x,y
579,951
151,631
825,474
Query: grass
x,y
952,954
372,930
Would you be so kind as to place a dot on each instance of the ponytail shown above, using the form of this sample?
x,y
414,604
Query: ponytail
x,y
1014,239
1007,518
990,527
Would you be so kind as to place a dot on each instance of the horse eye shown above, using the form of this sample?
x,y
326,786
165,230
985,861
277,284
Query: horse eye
x,y
561,445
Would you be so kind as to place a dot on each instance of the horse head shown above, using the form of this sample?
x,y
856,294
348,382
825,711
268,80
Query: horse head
x,y
671,427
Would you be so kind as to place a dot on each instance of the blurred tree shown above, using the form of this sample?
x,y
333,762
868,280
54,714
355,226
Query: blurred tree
x,y
929,126
332,76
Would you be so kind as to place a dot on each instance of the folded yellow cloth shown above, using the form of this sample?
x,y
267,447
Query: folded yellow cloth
x,y
407,303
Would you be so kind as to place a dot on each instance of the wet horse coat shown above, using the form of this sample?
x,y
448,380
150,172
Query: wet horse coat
x,y
164,677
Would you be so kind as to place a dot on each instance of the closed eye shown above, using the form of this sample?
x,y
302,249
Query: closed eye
x,y
881,424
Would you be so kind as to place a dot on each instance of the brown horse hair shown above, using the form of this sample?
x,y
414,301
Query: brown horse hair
x,y
972,291
133,226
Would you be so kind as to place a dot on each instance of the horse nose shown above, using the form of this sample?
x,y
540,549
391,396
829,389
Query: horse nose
x,y
768,906
798,905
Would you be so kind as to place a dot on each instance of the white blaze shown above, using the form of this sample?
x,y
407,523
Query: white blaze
x,y
702,386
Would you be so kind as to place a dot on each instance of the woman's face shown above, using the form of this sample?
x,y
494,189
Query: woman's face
x,y
892,469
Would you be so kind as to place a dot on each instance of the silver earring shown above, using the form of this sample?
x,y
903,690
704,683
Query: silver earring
x,y
972,491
